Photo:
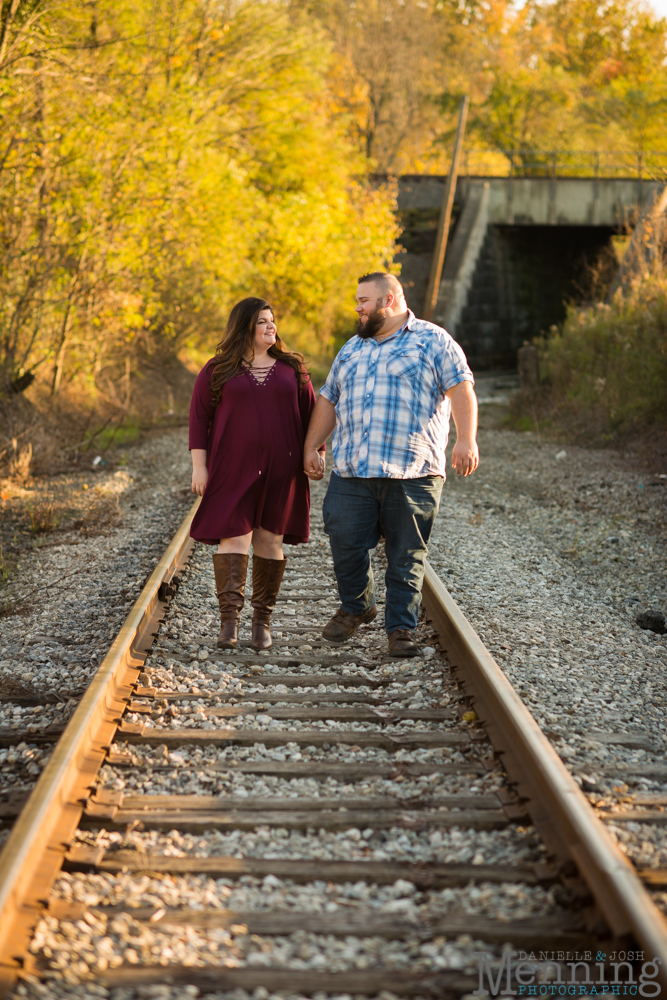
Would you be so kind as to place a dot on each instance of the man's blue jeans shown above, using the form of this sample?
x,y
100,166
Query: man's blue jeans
x,y
356,513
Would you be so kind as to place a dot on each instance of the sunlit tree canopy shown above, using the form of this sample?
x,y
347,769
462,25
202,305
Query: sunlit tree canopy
x,y
160,160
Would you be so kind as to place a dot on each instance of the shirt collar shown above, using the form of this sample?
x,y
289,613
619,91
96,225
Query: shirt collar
x,y
408,325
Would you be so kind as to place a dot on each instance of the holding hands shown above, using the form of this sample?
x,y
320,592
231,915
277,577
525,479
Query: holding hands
x,y
322,423
314,464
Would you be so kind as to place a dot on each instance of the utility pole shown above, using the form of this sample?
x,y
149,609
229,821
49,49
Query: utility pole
x,y
445,217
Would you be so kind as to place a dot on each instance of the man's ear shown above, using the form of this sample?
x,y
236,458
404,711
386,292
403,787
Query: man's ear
x,y
391,298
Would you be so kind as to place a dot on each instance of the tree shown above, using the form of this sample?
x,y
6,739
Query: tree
x,y
392,59
159,161
573,75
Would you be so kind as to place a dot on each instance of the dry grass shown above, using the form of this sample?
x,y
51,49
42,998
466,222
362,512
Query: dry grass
x,y
103,513
42,517
6,566
45,435
20,460
613,358
34,435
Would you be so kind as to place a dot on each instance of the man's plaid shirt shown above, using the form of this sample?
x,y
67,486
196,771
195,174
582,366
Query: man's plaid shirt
x,y
392,415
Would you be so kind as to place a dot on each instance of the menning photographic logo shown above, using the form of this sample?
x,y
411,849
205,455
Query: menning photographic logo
x,y
564,974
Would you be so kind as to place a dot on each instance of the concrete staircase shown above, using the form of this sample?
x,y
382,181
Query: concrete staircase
x,y
461,258
479,328
469,299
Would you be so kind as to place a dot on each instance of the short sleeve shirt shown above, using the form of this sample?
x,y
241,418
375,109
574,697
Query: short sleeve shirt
x,y
392,415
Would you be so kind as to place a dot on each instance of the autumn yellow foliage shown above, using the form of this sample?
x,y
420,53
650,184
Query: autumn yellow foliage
x,y
158,162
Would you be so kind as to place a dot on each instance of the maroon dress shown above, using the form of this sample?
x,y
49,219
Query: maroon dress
x,y
254,455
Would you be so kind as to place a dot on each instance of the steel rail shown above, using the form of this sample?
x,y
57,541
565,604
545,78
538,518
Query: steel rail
x,y
42,834
35,849
560,811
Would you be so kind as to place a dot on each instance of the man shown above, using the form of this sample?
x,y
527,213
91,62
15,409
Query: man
x,y
388,399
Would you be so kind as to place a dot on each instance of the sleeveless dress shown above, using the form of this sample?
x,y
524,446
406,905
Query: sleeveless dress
x,y
254,455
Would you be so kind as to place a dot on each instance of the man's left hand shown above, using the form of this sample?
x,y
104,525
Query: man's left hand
x,y
465,458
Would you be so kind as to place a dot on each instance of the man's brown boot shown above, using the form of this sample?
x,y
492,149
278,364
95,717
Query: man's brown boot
x,y
402,643
343,625
267,575
230,572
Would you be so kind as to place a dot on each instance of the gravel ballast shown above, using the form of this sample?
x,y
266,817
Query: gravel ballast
x,y
552,553
524,547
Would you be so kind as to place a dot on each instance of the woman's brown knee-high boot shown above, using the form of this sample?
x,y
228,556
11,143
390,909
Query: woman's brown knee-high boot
x,y
266,578
230,572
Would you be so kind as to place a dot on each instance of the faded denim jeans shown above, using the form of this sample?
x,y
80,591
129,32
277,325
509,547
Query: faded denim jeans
x,y
357,512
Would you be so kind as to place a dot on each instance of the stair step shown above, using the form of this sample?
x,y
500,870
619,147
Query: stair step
x,y
477,328
480,311
485,296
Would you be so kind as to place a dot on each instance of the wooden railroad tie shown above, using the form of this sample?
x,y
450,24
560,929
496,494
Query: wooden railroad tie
x,y
429,739
425,875
559,930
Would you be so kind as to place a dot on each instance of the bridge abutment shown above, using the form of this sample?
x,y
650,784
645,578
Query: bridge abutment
x,y
519,250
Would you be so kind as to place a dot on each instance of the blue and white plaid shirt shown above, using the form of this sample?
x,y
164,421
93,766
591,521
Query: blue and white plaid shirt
x,y
392,415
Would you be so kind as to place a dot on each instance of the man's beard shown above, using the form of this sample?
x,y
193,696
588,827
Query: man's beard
x,y
373,324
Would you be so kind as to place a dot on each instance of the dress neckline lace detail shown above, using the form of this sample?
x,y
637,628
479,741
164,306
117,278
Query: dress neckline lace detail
x,y
259,373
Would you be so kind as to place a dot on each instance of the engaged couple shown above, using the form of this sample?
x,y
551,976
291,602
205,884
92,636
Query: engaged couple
x,y
255,429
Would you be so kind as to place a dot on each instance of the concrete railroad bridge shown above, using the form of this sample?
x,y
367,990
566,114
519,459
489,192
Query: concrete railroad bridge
x,y
519,248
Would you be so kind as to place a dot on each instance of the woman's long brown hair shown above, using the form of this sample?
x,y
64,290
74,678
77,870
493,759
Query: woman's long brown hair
x,y
239,339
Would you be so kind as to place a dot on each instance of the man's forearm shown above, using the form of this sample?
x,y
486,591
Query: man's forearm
x,y
465,456
322,423
464,412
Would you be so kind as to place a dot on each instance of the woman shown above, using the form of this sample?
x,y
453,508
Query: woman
x,y
249,414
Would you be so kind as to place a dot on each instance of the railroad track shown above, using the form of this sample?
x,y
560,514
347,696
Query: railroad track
x,y
314,819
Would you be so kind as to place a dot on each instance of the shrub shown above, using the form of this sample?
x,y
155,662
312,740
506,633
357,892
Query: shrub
x,y
612,358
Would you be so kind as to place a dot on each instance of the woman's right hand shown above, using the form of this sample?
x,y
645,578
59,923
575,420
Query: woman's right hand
x,y
314,464
199,480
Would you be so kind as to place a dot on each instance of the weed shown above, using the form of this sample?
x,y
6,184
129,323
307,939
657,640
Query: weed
x,y
604,372
19,462
104,513
42,517
6,566
122,434
521,423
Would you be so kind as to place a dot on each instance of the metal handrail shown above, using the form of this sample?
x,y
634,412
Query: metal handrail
x,y
527,162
